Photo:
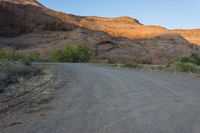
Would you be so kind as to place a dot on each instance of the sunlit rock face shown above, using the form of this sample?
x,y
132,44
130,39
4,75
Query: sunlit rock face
x,y
193,36
22,16
114,39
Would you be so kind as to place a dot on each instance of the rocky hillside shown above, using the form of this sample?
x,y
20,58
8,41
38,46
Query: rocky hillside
x,y
193,36
114,39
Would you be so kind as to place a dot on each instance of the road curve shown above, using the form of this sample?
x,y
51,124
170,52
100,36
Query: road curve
x,y
111,100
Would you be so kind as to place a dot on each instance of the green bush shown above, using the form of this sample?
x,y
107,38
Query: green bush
x,y
132,65
57,55
71,53
186,64
182,66
194,58
16,56
6,54
33,56
19,56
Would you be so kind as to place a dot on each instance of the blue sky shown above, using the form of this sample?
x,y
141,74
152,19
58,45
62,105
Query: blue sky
x,y
173,14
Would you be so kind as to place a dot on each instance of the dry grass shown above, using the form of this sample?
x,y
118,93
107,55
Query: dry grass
x,y
11,72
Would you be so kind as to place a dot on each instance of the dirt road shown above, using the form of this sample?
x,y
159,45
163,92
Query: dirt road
x,y
111,100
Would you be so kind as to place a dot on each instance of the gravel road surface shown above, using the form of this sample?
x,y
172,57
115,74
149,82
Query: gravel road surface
x,y
110,100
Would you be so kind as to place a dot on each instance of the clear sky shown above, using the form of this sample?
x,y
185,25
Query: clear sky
x,y
173,14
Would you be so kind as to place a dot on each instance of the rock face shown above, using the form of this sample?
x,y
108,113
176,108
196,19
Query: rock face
x,y
193,36
114,39
22,16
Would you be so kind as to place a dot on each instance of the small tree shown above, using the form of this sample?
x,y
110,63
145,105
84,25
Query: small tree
x,y
57,55
83,53
71,53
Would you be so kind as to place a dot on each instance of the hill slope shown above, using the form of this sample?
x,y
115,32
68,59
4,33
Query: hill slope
x,y
114,39
193,36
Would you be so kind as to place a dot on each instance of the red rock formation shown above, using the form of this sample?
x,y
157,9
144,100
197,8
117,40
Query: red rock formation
x,y
115,39
22,16
193,36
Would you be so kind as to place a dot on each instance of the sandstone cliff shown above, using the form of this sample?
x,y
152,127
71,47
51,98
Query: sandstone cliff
x,y
193,36
123,38
22,16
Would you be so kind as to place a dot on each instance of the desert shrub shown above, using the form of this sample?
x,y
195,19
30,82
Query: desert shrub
x,y
132,65
57,55
10,71
19,56
193,58
11,55
33,56
183,66
83,53
17,68
6,54
16,56
71,53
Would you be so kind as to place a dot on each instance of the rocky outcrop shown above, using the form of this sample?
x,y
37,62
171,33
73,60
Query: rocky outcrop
x,y
193,36
113,39
22,16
